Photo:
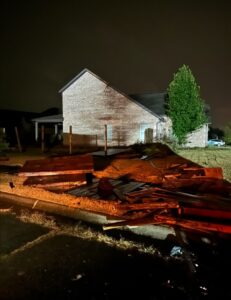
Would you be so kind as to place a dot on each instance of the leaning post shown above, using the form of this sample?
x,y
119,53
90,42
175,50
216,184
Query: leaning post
x,y
42,139
105,140
18,139
70,139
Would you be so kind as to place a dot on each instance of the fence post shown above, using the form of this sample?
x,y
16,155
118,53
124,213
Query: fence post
x,y
70,139
42,139
105,140
18,139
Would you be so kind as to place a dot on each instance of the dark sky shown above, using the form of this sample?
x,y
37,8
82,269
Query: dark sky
x,y
134,45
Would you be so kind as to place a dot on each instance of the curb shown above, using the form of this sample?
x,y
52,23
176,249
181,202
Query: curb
x,y
153,231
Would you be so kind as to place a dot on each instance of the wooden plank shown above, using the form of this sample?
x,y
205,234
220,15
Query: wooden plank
x,y
200,183
207,172
211,201
150,205
58,166
105,140
158,219
193,225
208,213
42,138
214,173
56,179
50,173
18,139
70,139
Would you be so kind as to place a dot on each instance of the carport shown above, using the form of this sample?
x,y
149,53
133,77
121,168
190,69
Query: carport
x,y
57,120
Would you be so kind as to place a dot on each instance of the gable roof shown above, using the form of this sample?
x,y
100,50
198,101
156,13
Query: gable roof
x,y
77,77
155,102
140,103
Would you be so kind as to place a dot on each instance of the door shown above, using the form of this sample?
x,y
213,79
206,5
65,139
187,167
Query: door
x,y
143,127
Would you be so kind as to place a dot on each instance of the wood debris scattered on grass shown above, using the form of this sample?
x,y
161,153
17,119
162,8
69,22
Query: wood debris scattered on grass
x,y
140,191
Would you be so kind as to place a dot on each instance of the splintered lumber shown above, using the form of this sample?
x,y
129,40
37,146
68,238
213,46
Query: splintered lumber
x,y
217,186
207,172
173,222
203,212
202,183
18,139
191,224
214,173
210,201
207,205
190,172
150,205
75,164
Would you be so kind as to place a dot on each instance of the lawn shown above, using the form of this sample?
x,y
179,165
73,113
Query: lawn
x,y
210,157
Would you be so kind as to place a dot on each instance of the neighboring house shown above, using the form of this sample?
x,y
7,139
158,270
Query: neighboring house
x,y
9,119
53,120
90,103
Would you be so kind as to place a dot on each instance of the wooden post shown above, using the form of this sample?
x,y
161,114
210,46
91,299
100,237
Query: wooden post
x,y
70,140
36,131
105,140
18,139
56,129
42,139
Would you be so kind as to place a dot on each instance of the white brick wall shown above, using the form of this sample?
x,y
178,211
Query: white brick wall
x,y
89,103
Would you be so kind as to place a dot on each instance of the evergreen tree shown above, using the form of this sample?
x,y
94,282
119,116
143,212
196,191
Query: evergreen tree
x,y
184,105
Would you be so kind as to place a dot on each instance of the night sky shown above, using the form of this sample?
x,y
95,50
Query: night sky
x,y
136,46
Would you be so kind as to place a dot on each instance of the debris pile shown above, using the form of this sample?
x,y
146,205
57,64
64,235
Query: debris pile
x,y
185,195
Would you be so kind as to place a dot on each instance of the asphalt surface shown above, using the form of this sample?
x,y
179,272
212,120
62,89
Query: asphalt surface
x,y
38,262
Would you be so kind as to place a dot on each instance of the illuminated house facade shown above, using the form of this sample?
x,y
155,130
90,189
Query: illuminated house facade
x,y
89,103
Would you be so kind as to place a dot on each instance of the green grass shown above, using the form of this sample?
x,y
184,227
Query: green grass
x,y
210,157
